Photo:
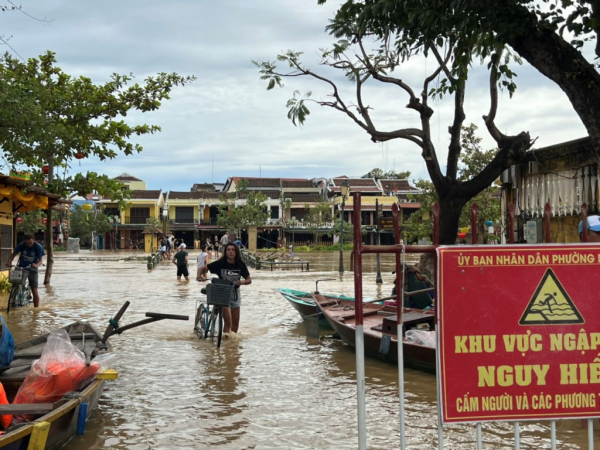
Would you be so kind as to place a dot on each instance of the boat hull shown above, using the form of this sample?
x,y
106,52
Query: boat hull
x,y
64,418
378,344
303,302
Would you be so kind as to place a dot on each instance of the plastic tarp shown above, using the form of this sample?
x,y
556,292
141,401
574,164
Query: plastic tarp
x,y
73,245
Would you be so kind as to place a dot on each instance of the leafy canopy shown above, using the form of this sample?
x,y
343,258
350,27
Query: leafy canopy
x,y
49,118
84,223
236,214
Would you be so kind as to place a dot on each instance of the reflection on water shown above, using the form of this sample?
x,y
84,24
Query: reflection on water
x,y
270,387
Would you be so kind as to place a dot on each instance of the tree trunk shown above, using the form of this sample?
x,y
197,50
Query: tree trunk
x,y
450,208
49,247
49,237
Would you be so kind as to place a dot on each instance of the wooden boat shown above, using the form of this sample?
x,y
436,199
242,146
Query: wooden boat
x,y
380,330
56,423
303,302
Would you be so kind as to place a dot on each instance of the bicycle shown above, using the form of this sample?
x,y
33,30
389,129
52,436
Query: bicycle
x,y
210,321
20,294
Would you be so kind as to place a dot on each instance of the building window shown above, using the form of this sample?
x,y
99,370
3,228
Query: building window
x,y
139,215
184,214
7,243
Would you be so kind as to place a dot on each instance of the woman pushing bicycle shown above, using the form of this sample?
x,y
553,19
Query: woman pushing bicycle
x,y
230,267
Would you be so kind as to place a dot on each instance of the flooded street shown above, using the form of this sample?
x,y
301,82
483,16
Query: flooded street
x,y
267,388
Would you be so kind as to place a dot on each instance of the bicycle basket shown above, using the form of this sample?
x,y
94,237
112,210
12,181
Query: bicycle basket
x,y
17,275
220,294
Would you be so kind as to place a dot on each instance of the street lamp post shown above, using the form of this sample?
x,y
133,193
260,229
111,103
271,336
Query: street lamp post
x,y
345,190
378,278
293,230
117,220
165,217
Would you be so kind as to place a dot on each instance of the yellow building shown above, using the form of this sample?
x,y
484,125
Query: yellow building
x,y
17,197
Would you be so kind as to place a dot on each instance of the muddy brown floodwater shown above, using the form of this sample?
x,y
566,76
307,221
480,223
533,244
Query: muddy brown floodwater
x,y
268,388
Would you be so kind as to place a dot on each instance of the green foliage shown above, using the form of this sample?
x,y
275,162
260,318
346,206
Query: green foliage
x,y
5,285
473,160
348,231
153,226
48,116
84,223
238,217
379,174
31,222
316,217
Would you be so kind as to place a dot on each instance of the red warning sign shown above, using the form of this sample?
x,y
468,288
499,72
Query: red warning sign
x,y
519,332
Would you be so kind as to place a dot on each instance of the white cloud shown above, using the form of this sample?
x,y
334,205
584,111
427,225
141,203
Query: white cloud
x,y
226,123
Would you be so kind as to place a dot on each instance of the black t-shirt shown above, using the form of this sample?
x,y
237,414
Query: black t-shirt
x,y
180,258
226,271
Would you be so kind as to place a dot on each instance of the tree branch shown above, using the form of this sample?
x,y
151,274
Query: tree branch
x,y
489,119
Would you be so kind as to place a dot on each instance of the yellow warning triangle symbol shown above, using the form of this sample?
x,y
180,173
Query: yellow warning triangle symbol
x,y
550,304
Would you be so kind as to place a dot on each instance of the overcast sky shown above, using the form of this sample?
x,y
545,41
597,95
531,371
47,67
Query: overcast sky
x,y
226,123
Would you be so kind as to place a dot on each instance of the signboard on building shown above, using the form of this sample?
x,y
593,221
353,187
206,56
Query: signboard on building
x,y
519,332
533,231
386,223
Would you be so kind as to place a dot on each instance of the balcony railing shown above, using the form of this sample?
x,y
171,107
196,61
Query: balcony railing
x,y
136,220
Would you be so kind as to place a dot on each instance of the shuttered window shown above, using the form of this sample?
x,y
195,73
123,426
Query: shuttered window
x,y
7,243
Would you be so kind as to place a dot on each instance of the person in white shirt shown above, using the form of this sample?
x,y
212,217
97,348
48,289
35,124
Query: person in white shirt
x,y
203,259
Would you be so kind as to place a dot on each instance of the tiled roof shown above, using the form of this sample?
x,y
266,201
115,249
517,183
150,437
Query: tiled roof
x,y
126,177
271,194
356,185
299,197
355,182
197,187
401,185
144,194
259,182
288,183
185,195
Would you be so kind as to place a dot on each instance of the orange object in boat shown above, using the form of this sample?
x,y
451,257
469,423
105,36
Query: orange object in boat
x,y
50,385
6,419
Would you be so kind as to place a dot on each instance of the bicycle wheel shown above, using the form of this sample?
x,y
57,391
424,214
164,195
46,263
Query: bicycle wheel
x,y
210,331
220,335
12,299
201,321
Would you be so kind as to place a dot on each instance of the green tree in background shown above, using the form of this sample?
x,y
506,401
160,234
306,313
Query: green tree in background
x,y
473,159
31,222
557,37
49,118
238,216
379,174
316,217
84,223
372,50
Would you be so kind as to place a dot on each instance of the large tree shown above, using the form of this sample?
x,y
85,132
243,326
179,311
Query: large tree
x,y
48,119
361,66
242,208
317,216
557,37
473,160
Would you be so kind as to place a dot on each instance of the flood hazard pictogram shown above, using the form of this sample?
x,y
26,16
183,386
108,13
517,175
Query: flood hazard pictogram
x,y
550,304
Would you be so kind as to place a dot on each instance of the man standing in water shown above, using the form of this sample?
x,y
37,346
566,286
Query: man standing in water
x,y
32,254
181,261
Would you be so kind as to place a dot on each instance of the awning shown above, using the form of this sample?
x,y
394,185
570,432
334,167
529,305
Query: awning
x,y
25,198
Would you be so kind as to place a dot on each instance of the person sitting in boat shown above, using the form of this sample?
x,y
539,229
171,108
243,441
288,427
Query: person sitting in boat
x,y
593,229
415,281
